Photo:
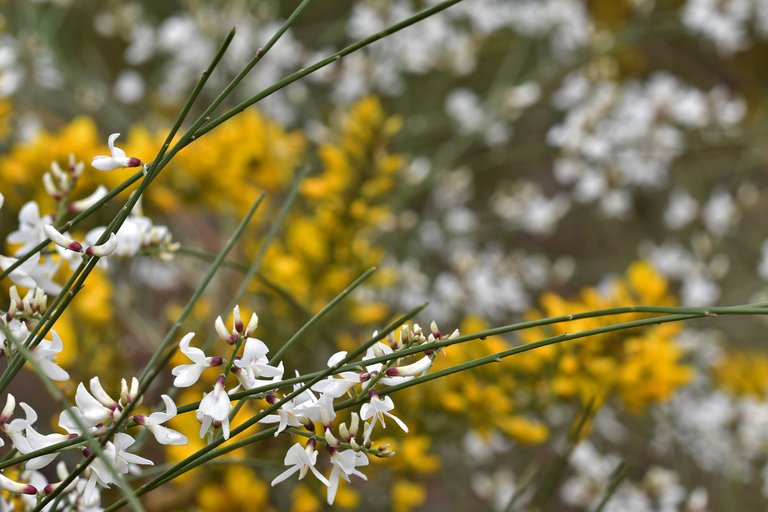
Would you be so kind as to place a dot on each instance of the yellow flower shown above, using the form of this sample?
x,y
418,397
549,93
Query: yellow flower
x,y
407,495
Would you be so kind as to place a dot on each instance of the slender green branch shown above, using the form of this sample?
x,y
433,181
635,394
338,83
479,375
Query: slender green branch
x,y
71,223
166,341
190,463
761,309
617,477
260,53
59,398
426,13
207,453
497,357
193,406
320,314
196,92
243,268
170,336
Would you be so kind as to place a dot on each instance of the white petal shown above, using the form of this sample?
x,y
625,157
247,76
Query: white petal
x,y
167,436
117,153
104,249
105,163
57,237
336,358
187,374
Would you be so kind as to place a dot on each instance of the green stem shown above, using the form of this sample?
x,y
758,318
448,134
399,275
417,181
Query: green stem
x,y
260,53
243,268
212,270
208,452
321,64
71,224
320,314
166,341
58,397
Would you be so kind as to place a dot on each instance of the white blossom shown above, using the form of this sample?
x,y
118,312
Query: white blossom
x,y
116,160
301,459
153,422
187,374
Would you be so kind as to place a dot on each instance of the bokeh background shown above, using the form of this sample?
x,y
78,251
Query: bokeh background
x,y
505,159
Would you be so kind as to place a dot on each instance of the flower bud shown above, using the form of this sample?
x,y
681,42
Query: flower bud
x,y
57,171
62,240
435,330
10,405
253,323
222,330
239,327
104,249
331,439
50,187
411,370
16,487
88,201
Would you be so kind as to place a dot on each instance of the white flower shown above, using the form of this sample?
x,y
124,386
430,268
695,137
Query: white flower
x,y
188,374
411,370
30,232
344,464
32,273
92,409
122,461
15,428
163,435
292,412
377,408
378,350
105,249
46,353
88,201
66,242
254,364
38,441
301,459
117,160
16,487
130,237
340,383
61,239
215,407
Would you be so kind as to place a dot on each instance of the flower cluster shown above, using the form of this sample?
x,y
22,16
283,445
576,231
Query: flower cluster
x,y
137,235
95,414
304,406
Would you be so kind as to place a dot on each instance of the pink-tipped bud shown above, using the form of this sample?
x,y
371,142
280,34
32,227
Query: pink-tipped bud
x,y
133,162
411,370
331,439
222,330
10,405
61,240
435,330
105,249
239,326
253,323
